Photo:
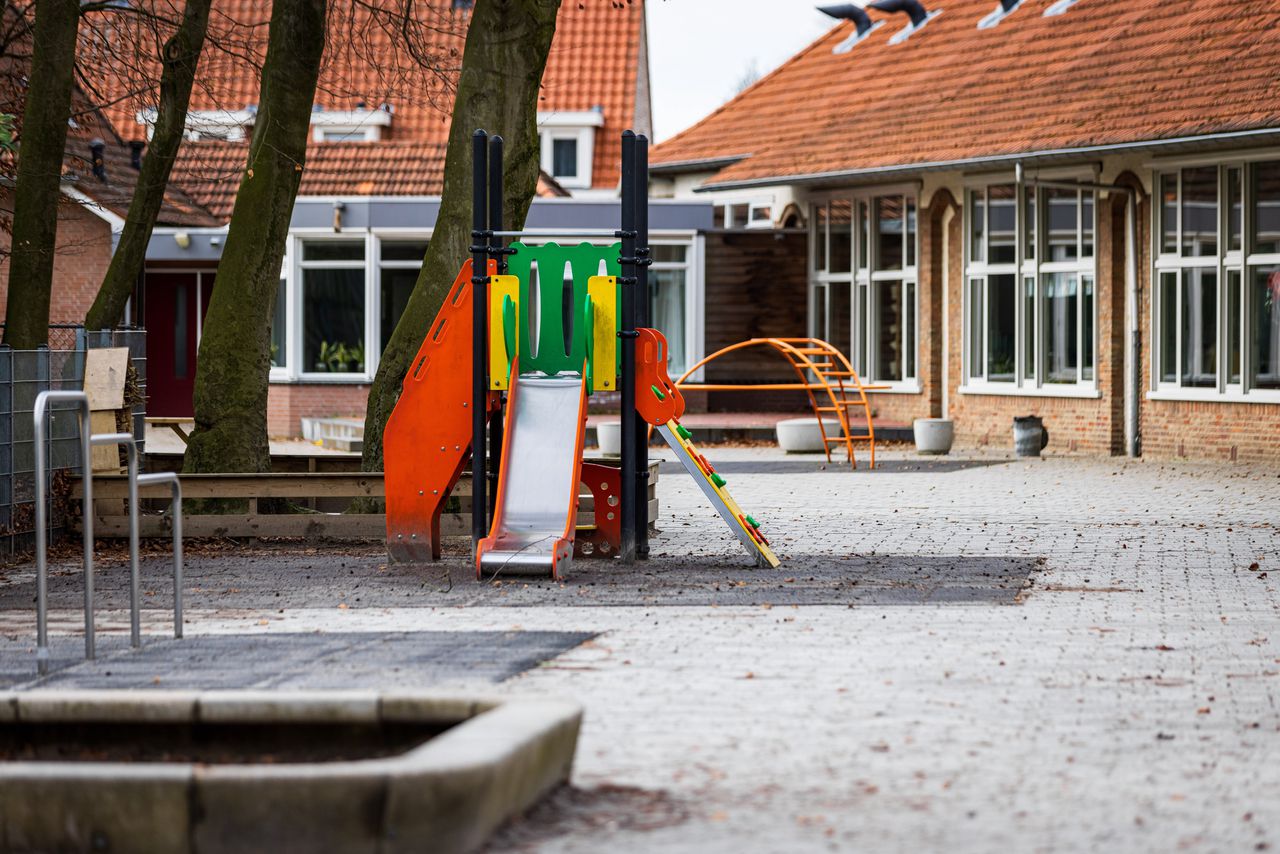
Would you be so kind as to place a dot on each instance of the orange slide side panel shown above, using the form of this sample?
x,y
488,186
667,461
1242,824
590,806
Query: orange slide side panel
x,y
428,436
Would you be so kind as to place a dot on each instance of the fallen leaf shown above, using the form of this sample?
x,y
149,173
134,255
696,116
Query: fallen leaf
x,y
343,606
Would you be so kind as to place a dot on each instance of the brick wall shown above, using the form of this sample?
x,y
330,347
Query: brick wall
x,y
83,255
288,403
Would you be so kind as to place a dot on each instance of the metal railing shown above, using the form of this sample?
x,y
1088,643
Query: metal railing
x,y
87,441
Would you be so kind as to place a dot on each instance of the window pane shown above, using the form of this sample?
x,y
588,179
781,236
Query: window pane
x,y
279,352
841,235
889,244
859,333
838,324
333,250
333,320
1086,327
1169,213
864,239
1235,302
673,253
1002,222
977,329
819,312
1264,313
909,330
403,250
820,238
1060,327
1235,209
739,216
1266,207
717,216
396,287
1002,310
889,330
564,158
666,310
1062,212
1199,327
911,231
1029,328
977,226
764,213
1200,211
1086,225
1168,327
1031,224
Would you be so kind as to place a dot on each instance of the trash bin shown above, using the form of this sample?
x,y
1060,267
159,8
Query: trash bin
x,y
1029,436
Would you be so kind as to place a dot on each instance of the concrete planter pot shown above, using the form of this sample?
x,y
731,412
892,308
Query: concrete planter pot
x,y
609,438
489,760
802,436
934,435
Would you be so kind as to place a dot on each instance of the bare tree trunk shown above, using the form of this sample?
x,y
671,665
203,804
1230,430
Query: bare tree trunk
x,y
180,56
42,140
502,64
235,349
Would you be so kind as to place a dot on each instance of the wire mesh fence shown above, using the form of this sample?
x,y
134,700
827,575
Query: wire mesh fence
x,y
23,375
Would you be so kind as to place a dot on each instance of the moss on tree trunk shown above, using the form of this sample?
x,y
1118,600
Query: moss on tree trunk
x,y
502,64
42,140
180,55
235,349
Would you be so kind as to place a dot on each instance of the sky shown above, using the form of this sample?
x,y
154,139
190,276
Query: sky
x,y
699,50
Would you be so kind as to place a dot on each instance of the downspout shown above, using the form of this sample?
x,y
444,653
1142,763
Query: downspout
x,y
948,215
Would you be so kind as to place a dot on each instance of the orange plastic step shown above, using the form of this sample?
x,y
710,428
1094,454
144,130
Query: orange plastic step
x,y
427,440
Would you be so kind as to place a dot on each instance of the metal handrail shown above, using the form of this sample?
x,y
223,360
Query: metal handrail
x,y
87,441
42,523
175,487
131,452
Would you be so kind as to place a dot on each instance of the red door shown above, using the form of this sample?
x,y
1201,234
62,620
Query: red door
x,y
173,303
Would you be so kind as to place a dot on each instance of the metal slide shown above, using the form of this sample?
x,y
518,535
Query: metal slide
x,y
537,501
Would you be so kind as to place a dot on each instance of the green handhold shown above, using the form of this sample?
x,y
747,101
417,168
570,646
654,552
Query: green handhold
x,y
751,520
509,325
684,433
658,392
718,480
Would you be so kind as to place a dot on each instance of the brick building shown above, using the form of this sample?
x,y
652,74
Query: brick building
x,y
1061,208
370,191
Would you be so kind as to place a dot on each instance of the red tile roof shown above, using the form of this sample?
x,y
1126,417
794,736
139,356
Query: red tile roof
x,y
1103,73
593,61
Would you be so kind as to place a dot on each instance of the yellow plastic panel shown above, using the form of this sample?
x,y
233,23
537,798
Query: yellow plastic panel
x,y
499,358
603,291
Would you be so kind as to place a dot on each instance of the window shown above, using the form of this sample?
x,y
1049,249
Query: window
x,y
747,214
333,306
279,326
1030,313
360,125
863,287
668,286
564,158
1214,313
398,266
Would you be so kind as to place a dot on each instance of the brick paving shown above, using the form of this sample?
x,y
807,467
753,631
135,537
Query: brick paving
x,y
1112,683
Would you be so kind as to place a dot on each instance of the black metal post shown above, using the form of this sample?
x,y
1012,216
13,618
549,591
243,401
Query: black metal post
x,y
496,245
479,293
640,199
627,333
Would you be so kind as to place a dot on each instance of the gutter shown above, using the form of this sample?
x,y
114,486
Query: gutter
x,y
880,172
699,164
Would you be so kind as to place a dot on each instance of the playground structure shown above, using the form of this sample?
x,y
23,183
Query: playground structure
x,y
826,377
537,327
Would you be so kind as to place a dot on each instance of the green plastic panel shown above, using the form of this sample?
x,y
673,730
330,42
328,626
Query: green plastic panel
x,y
549,354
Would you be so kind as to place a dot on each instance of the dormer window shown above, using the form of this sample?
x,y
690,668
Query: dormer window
x,y
226,125
568,144
349,125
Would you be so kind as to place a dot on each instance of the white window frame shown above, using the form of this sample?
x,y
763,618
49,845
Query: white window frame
x,y
822,280
693,303
1033,382
1244,261
362,125
754,204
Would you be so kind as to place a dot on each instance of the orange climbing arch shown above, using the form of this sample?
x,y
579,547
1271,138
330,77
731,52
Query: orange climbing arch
x,y
826,376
